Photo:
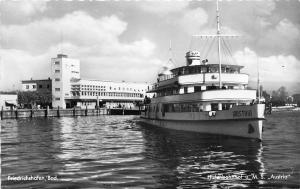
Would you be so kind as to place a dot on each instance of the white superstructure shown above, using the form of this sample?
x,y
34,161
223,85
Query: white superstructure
x,y
205,97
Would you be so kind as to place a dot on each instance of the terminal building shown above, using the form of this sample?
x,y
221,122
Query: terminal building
x,y
110,94
70,90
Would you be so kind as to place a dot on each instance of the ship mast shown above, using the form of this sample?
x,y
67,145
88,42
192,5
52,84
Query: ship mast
x,y
170,52
219,45
258,81
219,36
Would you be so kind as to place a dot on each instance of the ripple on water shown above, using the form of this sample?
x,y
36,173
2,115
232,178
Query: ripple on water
x,y
116,151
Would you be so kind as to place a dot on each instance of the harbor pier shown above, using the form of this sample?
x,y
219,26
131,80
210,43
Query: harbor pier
x,y
72,112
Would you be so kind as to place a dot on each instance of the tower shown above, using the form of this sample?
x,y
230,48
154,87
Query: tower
x,y
63,71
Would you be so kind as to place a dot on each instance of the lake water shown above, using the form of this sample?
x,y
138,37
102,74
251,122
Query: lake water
x,y
117,152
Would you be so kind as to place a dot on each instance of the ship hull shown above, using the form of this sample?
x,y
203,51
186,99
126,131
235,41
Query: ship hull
x,y
246,128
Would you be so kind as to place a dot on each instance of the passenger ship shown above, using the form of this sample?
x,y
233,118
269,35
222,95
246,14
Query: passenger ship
x,y
205,97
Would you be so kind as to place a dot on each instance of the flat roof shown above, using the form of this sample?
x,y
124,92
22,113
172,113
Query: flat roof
x,y
35,80
8,92
96,80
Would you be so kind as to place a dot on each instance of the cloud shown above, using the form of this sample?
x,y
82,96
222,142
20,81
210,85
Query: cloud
x,y
163,7
279,69
250,18
17,65
192,20
18,11
77,27
95,41
280,38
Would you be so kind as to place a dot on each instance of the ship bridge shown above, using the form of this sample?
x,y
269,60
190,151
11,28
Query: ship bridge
x,y
200,77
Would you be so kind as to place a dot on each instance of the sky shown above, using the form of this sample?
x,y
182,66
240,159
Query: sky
x,y
129,40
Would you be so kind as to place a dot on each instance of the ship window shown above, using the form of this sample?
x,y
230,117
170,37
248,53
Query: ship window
x,y
195,108
185,90
166,107
176,107
197,88
214,106
226,106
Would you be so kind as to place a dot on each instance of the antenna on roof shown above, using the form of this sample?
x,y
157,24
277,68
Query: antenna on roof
x,y
170,53
61,42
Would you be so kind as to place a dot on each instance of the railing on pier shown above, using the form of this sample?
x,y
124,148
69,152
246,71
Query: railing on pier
x,y
30,113
72,112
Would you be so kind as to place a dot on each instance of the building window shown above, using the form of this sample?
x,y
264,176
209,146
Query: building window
x,y
33,86
48,86
57,79
57,89
27,86
57,98
40,86
56,63
57,71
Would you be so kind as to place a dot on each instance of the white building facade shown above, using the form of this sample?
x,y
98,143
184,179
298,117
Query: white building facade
x,y
29,87
69,90
63,71
93,93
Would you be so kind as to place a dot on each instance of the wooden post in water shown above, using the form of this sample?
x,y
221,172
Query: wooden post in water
x,y
139,109
31,112
1,112
47,111
58,113
16,112
85,111
74,112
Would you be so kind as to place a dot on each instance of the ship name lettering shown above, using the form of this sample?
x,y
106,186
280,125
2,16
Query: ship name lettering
x,y
242,113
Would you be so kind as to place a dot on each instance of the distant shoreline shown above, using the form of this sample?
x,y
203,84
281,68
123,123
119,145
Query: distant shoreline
x,y
285,108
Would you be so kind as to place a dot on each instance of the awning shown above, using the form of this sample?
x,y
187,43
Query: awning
x,y
10,104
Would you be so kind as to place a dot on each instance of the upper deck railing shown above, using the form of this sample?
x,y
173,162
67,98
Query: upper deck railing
x,y
208,68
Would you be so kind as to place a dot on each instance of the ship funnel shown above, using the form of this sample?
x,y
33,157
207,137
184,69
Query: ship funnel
x,y
193,58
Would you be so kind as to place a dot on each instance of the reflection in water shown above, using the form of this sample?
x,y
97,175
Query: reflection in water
x,y
191,159
116,151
